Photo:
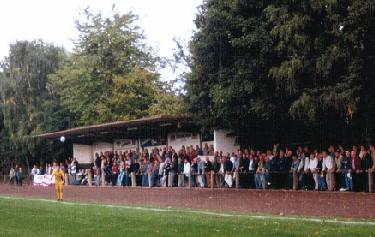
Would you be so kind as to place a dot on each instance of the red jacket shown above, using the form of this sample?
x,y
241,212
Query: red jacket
x,y
356,163
115,168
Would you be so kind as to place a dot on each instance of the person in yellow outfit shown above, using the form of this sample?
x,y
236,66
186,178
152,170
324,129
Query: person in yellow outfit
x,y
58,174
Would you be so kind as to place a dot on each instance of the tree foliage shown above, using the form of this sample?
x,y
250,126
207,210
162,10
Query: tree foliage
x,y
111,75
27,107
285,71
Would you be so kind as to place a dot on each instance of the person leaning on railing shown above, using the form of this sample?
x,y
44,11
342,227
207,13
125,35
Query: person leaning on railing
x,y
12,175
366,166
228,172
346,164
372,176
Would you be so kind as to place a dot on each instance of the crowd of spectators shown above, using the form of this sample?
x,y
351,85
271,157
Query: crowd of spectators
x,y
332,169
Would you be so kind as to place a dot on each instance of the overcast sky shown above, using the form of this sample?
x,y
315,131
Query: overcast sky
x,y
53,21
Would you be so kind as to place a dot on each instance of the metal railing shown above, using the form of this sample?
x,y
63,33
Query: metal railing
x,y
209,179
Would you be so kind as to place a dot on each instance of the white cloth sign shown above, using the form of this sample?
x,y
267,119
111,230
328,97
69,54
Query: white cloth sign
x,y
43,180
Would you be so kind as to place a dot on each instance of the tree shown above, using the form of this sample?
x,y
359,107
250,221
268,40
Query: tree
x,y
231,53
27,107
268,70
111,75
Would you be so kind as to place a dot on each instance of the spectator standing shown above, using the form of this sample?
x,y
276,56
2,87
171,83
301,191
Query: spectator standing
x,y
284,167
12,175
303,170
346,164
48,169
201,172
121,171
187,168
162,175
207,170
216,168
34,171
134,168
144,172
328,166
372,153
339,178
260,182
322,177
180,173
115,170
73,171
293,168
193,172
313,169
356,169
275,171
155,172
173,171
228,169
251,167
19,175
96,175
366,165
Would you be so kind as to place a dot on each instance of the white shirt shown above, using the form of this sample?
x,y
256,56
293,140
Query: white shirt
x,y
221,171
328,163
313,164
122,166
49,170
187,168
306,163
35,171
161,169
251,167
73,168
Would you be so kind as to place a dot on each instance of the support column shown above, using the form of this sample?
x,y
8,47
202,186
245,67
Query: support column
x,y
189,186
102,177
370,181
66,179
295,180
89,177
237,179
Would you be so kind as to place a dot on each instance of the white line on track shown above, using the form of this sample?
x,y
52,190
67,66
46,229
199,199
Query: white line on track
x,y
210,213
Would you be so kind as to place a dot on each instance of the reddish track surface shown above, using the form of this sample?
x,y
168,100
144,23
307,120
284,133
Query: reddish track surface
x,y
279,202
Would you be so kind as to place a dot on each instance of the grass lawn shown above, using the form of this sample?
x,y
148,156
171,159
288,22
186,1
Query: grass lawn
x,y
39,218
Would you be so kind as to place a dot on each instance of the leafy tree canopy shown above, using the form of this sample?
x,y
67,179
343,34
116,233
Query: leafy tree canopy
x,y
274,68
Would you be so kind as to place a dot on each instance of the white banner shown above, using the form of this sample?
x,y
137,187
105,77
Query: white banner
x,y
43,180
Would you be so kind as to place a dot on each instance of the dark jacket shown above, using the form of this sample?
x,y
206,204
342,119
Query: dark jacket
x,y
275,164
366,162
208,166
228,166
346,163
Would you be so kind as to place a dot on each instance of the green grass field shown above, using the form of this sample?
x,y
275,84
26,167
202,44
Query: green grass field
x,y
39,218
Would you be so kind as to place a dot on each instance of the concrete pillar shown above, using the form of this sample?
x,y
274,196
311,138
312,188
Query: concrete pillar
x,y
295,180
66,179
370,181
189,186
237,179
89,177
149,180
133,179
102,177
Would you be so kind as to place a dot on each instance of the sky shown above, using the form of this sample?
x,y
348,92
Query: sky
x,y
53,22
